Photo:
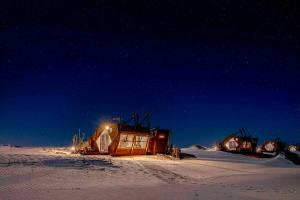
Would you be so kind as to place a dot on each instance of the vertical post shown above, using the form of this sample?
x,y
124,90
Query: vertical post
x,y
155,140
133,140
147,144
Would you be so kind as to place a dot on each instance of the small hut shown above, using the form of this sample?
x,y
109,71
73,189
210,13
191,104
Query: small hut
x,y
294,147
293,154
122,138
272,146
239,142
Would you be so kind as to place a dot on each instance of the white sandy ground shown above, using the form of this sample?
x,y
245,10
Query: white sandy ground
x,y
54,173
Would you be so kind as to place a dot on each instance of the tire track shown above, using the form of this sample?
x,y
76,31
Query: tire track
x,y
165,175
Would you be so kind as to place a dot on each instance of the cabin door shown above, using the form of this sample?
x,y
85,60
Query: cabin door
x,y
104,142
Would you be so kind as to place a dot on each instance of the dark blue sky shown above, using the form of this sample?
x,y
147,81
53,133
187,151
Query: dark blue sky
x,y
202,83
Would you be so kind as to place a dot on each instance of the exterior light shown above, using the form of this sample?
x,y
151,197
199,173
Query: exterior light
x,y
72,148
107,127
161,136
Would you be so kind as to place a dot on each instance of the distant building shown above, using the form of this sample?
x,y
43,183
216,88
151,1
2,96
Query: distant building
x,y
240,142
294,147
120,138
272,146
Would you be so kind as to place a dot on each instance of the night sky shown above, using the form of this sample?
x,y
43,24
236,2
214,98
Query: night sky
x,y
201,68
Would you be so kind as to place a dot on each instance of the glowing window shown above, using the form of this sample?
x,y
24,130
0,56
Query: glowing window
x,y
246,145
140,142
270,146
231,144
126,140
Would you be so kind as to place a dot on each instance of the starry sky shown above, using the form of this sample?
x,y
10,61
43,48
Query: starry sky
x,y
201,68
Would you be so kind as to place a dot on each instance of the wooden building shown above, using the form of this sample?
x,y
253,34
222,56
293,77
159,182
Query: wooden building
x,y
121,138
240,142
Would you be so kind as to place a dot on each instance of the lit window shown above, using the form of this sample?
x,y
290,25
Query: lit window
x,y
140,142
270,146
126,140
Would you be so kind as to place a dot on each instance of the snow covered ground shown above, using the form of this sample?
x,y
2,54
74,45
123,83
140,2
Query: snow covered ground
x,y
54,173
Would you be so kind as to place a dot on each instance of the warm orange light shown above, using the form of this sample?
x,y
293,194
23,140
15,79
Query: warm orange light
x,y
161,136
